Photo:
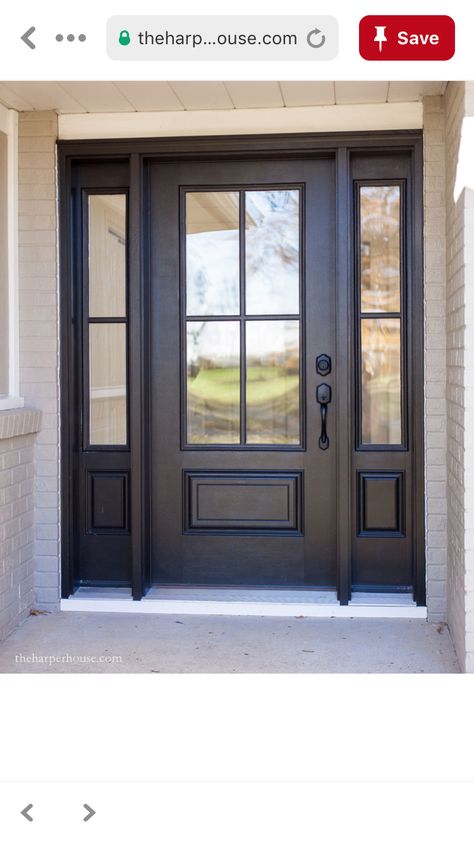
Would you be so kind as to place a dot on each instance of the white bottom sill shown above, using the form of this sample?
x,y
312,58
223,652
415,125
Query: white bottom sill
x,y
240,602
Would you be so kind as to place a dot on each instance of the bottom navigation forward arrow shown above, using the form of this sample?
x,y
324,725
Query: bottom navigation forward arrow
x,y
90,812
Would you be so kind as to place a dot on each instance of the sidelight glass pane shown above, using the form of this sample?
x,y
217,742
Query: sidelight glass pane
x,y
380,248
212,254
5,305
108,384
381,395
213,383
107,255
273,382
272,251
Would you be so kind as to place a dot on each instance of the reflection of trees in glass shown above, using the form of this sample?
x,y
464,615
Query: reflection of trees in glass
x,y
213,383
381,399
272,251
380,248
380,292
272,382
272,393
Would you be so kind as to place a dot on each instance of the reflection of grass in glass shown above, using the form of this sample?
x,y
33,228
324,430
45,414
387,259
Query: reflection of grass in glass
x,y
216,385
268,383
213,406
264,383
272,405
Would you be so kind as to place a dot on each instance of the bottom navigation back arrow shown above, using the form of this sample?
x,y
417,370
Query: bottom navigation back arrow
x,y
25,813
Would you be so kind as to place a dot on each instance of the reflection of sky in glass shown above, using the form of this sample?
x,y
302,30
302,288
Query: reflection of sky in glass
x,y
212,253
214,343
212,340
272,251
273,338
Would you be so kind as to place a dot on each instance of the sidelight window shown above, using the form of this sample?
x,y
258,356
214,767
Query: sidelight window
x,y
380,298
107,319
243,317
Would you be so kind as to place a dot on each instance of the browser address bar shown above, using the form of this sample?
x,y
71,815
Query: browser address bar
x,y
209,37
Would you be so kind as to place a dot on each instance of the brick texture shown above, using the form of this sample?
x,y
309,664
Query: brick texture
x,y
39,334
468,260
435,356
460,381
16,531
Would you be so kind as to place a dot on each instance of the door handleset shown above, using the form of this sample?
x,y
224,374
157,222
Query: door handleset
x,y
324,397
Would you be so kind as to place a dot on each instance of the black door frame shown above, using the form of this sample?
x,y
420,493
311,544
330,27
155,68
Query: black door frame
x,y
138,152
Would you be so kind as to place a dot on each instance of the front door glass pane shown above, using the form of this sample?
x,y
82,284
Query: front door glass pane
x,y
213,383
107,384
273,382
107,255
381,394
380,248
272,251
243,261
212,253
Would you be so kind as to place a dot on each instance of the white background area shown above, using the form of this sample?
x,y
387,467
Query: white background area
x,y
243,811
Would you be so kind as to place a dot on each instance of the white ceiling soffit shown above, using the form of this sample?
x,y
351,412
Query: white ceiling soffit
x,y
243,121
129,97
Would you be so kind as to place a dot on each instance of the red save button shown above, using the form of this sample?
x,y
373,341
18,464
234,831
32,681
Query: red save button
x,y
407,38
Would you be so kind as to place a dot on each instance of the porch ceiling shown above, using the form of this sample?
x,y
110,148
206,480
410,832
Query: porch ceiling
x,y
116,97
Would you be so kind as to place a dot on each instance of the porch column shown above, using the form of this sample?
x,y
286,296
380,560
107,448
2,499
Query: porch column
x,y
39,333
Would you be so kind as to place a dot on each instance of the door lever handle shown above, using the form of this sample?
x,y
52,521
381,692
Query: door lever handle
x,y
324,397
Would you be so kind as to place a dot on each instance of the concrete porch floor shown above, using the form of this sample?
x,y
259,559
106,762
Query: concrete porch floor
x,y
90,642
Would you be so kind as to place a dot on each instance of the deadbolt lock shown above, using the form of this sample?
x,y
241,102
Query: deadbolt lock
x,y
323,364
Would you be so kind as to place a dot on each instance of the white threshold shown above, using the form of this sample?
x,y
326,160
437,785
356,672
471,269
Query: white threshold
x,y
243,602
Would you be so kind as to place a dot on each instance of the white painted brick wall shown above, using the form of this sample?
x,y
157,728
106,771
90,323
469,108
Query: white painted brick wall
x,y
460,383
468,206
39,334
16,531
435,356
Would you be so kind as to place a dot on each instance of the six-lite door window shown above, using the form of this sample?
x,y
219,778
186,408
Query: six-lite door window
x,y
243,317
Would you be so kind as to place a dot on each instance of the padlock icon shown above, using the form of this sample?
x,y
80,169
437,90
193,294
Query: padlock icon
x,y
124,38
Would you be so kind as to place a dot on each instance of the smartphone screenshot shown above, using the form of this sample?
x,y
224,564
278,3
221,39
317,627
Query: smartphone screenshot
x,y
236,422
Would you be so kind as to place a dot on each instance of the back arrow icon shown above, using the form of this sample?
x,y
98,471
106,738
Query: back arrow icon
x,y
26,37
90,812
25,813
313,40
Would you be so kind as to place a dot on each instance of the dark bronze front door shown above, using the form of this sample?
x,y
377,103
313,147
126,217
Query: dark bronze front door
x,y
242,362
242,284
